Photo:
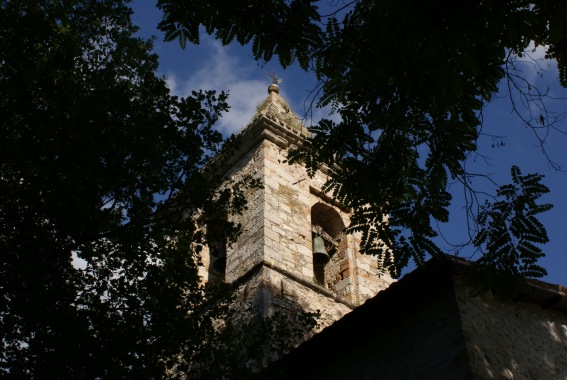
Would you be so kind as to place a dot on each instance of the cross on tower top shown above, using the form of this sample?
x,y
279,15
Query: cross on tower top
x,y
275,80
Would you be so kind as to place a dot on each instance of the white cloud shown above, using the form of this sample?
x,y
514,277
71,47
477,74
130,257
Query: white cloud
x,y
536,53
213,66
536,66
222,70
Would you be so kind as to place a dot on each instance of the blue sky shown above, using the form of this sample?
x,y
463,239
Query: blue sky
x,y
213,66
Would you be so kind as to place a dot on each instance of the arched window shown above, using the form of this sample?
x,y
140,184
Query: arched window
x,y
216,236
330,261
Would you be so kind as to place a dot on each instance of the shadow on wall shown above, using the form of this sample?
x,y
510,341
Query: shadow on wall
x,y
427,326
513,340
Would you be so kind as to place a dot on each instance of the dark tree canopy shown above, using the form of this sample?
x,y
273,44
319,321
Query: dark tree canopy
x,y
409,80
99,163
101,174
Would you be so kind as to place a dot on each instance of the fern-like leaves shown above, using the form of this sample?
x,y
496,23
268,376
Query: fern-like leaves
x,y
510,233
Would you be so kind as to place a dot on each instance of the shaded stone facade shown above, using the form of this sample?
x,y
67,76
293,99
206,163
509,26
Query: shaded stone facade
x,y
515,340
271,264
427,326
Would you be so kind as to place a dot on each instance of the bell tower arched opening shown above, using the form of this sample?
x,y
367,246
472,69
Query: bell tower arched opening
x,y
329,242
217,243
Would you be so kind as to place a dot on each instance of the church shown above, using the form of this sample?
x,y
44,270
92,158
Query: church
x,y
293,254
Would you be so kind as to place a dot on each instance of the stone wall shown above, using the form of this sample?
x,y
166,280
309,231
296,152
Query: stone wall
x,y
277,232
290,196
427,326
277,227
267,290
517,340
247,251
412,334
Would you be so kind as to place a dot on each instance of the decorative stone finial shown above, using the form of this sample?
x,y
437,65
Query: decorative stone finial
x,y
275,81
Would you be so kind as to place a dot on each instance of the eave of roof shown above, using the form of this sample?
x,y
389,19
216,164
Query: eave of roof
x,y
404,296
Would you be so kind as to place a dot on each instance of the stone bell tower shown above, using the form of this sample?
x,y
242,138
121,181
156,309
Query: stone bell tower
x,y
293,251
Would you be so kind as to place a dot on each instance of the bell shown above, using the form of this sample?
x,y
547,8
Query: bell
x,y
320,255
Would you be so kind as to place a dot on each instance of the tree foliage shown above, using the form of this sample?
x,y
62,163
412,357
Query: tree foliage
x,y
509,232
409,81
287,29
239,352
100,169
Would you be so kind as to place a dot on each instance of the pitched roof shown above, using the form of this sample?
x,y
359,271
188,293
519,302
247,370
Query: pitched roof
x,y
402,297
